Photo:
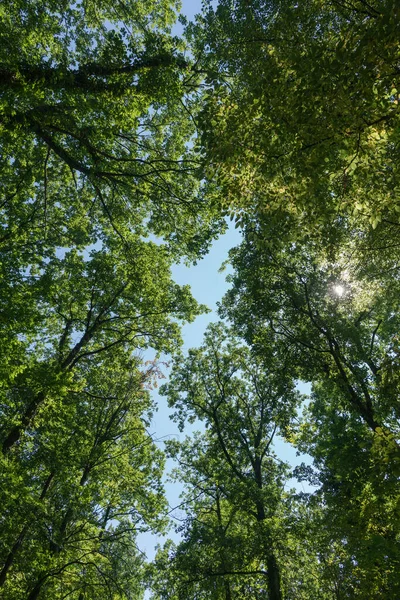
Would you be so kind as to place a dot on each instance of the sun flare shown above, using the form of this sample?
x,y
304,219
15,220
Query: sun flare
x,y
338,290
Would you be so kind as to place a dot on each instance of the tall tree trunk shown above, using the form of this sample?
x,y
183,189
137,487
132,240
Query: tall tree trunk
x,y
12,554
228,595
15,433
34,594
30,411
14,550
227,587
274,578
56,547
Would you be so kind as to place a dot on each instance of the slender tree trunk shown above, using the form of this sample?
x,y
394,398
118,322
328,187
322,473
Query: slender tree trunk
x,y
12,554
274,578
228,595
30,411
57,546
15,433
227,587
34,594
14,550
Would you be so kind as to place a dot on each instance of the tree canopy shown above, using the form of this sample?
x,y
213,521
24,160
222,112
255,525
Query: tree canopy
x,y
124,148
302,108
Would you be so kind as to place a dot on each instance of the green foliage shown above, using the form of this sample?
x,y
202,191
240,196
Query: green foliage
x,y
333,316
123,150
338,322
360,493
100,193
85,480
299,133
243,532
301,113
97,110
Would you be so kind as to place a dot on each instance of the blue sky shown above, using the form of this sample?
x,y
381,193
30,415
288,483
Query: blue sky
x,y
208,286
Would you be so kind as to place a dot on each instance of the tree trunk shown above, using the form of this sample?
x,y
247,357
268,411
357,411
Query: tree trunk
x,y
14,550
36,590
15,433
274,579
30,411
12,554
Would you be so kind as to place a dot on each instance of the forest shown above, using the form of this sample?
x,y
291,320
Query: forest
x,y
127,148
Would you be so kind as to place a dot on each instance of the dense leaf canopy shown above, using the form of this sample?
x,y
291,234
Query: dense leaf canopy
x,y
302,109
123,149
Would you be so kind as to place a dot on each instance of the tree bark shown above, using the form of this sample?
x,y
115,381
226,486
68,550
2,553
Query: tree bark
x,y
274,578
14,550
34,594
15,433
12,554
